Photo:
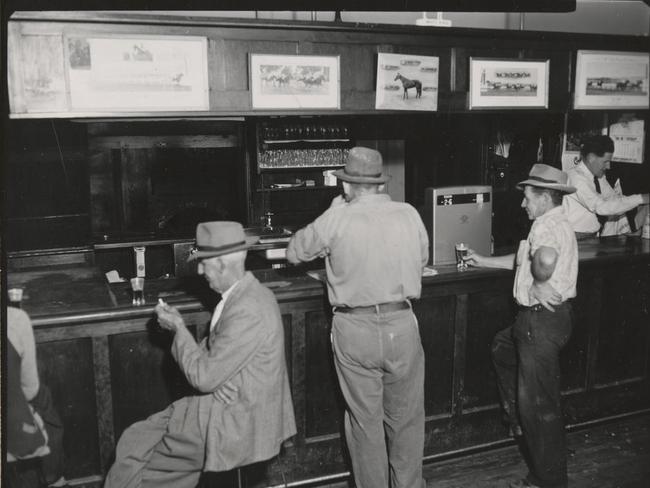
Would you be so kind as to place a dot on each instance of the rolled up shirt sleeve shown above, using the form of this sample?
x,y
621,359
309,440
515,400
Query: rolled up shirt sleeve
x,y
606,204
308,244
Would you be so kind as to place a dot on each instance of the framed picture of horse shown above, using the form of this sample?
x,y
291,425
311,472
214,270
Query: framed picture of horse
x,y
611,80
508,83
294,82
407,82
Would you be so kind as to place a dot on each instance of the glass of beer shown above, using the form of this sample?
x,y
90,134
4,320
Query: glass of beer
x,y
461,252
15,296
137,286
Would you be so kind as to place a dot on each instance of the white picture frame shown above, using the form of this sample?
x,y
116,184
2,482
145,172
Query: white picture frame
x,y
137,73
611,80
282,81
407,82
508,83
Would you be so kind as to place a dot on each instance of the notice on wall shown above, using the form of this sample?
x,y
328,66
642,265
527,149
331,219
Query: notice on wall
x,y
628,139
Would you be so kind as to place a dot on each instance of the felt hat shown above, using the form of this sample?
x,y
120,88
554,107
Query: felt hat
x,y
545,176
363,165
219,238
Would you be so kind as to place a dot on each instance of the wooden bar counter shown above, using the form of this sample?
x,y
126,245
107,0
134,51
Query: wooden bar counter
x,y
108,363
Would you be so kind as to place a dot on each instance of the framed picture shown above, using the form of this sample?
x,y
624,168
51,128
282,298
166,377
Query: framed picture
x,y
508,83
137,73
407,82
294,82
611,80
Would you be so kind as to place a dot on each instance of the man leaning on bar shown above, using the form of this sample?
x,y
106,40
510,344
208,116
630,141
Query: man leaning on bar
x,y
526,355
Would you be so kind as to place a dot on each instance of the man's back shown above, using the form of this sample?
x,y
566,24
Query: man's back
x,y
377,249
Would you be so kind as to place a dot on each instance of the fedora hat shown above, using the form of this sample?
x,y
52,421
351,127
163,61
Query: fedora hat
x,y
363,165
219,238
545,176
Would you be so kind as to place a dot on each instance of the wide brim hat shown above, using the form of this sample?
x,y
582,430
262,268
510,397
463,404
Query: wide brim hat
x,y
363,165
218,238
545,176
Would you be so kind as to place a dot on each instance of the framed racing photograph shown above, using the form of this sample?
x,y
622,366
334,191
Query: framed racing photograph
x,y
508,83
611,80
294,82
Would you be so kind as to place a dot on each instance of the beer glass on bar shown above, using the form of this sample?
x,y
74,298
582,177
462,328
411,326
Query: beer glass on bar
x,y
137,285
461,252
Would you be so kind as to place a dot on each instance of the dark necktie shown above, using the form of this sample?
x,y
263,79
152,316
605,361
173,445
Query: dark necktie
x,y
601,218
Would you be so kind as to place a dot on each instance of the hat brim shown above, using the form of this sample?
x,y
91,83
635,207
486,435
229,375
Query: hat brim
x,y
550,186
249,241
343,176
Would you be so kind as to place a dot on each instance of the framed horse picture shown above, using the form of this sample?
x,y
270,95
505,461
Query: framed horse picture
x,y
508,83
407,82
294,82
613,80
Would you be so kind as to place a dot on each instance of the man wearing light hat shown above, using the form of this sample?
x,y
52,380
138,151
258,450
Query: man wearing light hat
x,y
526,355
375,250
242,411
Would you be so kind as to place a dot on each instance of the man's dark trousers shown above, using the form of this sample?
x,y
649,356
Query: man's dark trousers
x,y
526,359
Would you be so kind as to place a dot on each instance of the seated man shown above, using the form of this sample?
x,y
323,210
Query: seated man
x,y
34,429
244,412
596,207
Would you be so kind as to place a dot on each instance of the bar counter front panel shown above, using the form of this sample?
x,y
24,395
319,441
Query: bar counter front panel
x,y
108,364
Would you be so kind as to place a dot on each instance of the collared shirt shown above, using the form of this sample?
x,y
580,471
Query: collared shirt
x,y
552,230
21,336
219,308
583,205
374,248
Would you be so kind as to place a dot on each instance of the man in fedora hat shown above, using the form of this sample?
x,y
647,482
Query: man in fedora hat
x,y
375,250
526,355
242,411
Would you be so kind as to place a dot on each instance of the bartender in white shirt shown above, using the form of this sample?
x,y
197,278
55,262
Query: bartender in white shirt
x,y
597,208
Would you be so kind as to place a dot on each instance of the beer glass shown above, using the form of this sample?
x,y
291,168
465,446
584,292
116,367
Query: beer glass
x,y
137,286
461,252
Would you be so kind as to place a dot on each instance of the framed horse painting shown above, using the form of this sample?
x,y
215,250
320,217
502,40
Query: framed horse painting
x,y
508,83
294,82
407,82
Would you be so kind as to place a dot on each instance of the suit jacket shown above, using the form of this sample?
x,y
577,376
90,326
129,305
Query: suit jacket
x,y
246,347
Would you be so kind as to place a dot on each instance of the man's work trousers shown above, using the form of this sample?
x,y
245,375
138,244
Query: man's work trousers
x,y
526,359
380,365
165,451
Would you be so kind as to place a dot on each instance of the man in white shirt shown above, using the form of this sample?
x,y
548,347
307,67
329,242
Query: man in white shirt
x,y
596,207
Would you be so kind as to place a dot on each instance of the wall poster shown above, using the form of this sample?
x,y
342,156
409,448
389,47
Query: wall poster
x,y
407,82
137,73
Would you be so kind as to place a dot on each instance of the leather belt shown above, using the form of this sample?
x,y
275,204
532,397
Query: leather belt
x,y
538,307
379,308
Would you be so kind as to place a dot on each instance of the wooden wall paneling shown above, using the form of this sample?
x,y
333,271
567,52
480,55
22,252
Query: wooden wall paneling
x,y
136,187
560,71
324,404
103,401
144,376
586,310
490,310
623,328
459,359
436,315
103,208
66,368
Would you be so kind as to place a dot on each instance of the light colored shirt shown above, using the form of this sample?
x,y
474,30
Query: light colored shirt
x,y
583,206
552,230
21,336
374,249
219,308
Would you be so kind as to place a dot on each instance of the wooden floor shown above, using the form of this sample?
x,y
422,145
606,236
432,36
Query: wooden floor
x,y
611,455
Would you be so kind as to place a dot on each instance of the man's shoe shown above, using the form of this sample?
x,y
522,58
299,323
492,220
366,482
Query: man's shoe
x,y
522,483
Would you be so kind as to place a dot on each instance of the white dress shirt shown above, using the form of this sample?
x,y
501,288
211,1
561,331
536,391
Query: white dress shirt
x,y
219,308
583,206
